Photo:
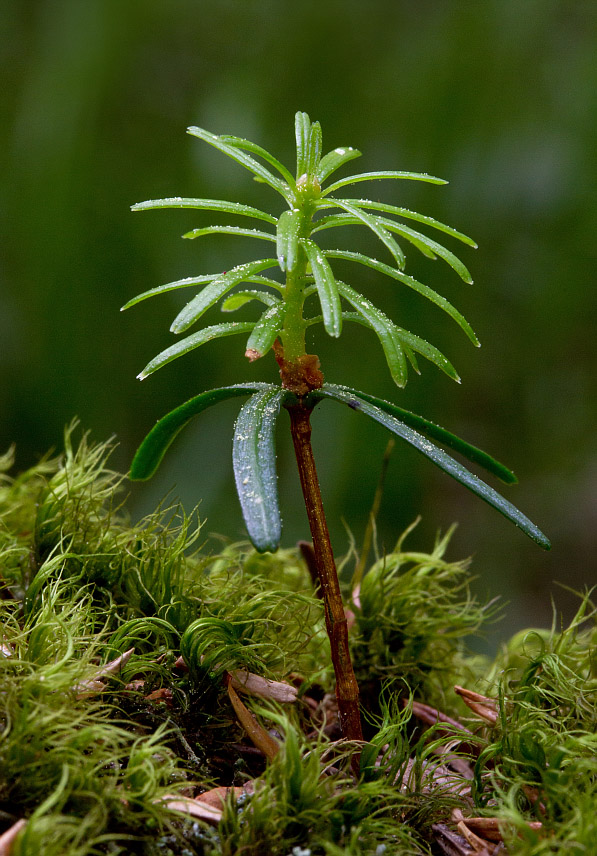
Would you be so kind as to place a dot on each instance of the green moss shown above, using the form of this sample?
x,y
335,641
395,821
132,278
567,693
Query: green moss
x,y
86,765
413,617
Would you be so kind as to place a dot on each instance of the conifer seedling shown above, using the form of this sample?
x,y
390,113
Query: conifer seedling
x,y
307,292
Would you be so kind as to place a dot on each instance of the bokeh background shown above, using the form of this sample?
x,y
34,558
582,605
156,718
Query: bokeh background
x,y
499,97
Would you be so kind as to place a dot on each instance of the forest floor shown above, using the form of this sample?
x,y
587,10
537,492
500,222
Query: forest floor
x,y
169,697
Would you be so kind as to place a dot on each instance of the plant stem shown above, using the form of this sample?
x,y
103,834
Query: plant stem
x,y
347,690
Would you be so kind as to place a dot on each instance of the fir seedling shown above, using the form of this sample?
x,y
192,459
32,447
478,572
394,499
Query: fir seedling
x,y
313,202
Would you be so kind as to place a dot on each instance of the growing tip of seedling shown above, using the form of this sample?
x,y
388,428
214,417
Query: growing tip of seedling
x,y
251,354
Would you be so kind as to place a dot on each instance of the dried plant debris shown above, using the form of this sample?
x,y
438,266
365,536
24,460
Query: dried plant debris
x,y
485,708
255,685
255,731
7,838
162,698
95,683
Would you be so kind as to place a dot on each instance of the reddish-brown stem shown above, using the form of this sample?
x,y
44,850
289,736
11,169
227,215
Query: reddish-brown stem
x,y
347,690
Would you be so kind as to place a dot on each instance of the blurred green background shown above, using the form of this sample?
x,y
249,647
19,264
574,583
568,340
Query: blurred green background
x,y
499,97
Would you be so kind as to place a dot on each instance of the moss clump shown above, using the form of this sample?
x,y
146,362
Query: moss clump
x,y
119,640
